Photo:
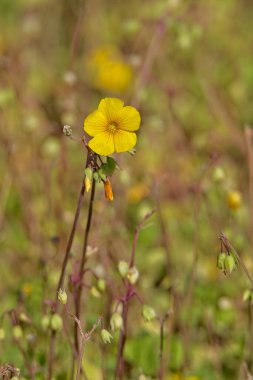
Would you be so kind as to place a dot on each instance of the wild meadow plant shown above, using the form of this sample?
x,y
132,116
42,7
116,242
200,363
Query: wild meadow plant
x,y
112,128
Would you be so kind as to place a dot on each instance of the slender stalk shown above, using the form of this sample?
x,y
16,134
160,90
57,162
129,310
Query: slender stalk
x,y
122,340
161,348
61,278
81,268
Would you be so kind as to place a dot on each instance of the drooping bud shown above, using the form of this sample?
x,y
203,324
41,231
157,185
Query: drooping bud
x,y
106,336
108,190
148,313
62,296
230,263
123,268
56,322
221,260
116,322
133,275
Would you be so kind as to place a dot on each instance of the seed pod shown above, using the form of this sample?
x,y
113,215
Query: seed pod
x,y
62,296
221,260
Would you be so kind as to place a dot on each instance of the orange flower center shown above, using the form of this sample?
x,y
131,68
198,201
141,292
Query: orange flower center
x,y
112,128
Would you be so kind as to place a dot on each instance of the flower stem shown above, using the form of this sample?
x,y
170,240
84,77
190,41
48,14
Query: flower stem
x,y
81,268
61,278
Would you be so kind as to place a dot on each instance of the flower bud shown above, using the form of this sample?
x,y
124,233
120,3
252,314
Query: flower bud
x,y
148,313
87,183
108,190
106,336
62,296
101,284
123,268
17,332
132,275
116,322
67,130
45,322
230,263
95,292
2,334
221,260
234,199
56,322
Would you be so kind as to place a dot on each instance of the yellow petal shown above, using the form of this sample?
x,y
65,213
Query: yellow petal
x,y
95,123
102,144
124,141
129,119
111,108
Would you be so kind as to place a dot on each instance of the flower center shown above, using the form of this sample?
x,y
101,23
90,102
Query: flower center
x,y
112,128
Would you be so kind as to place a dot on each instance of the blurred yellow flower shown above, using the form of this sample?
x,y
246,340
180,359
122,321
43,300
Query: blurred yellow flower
x,y
137,192
108,70
112,127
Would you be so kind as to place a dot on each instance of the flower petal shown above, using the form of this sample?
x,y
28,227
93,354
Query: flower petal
x,y
111,108
95,123
124,140
129,119
102,144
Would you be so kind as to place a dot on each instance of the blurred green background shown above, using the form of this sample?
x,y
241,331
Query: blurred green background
x,y
187,66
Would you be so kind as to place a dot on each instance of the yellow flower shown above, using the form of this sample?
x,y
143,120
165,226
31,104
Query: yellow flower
x,y
108,71
112,127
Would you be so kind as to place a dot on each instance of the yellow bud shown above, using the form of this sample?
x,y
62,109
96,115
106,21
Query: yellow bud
x,y
108,190
95,292
234,199
56,322
87,183
62,297
123,268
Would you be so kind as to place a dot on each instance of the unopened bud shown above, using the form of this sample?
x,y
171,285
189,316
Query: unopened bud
x,y
87,183
108,190
106,336
148,313
221,260
56,322
101,284
133,275
234,199
230,263
62,296
123,268
17,332
116,322
218,174
67,130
